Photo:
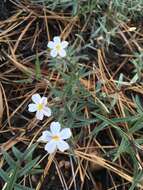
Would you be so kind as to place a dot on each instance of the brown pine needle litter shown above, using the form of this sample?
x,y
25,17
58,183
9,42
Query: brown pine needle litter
x,y
91,81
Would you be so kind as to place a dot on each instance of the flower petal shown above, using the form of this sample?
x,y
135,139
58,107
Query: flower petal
x,y
57,40
32,107
47,111
46,137
64,44
55,128
36,98
65,133
44,100
39,115
51,45
50,147
53,53
62,146
62,53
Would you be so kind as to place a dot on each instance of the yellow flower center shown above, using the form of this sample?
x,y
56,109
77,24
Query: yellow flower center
x,y
56,138
39,107
58,47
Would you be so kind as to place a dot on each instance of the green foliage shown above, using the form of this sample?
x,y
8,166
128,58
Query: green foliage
x,y
138,66
104,16
137,179
123,8
37,68
23,165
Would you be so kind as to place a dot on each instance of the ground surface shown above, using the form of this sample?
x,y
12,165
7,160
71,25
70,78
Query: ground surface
x,y
97,91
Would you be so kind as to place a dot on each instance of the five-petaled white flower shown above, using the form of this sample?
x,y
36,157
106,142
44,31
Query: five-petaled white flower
x,y
57,47
55,138
39,106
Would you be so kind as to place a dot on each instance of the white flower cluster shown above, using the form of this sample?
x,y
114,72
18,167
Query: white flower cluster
x,y
39,106
57,47
55,138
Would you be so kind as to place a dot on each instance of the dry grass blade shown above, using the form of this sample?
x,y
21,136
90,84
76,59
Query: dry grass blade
x,y
105,164
1,106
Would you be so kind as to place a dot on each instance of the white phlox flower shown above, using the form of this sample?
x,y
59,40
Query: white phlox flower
x,y
57,47
55,138
39,106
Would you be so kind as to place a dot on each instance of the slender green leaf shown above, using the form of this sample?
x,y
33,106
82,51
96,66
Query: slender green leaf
x,y
4,175
17,153
28,167
12,179
28,152
9,160
37,68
